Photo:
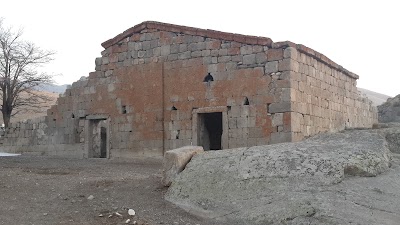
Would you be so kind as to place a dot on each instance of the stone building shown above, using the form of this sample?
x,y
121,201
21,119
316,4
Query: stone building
x,y
160,86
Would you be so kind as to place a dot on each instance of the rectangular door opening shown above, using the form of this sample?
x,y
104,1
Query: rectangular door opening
x,y
210,130
97,139
103,142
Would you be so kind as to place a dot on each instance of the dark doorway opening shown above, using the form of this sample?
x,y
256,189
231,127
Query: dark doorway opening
x,y
210,131
103,142
97,139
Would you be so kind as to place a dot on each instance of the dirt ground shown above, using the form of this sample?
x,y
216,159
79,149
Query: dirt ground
x,y
48,190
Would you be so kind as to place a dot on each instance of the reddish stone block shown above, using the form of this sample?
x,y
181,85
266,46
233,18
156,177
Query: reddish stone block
x,y
282,83
235,44
239,38
213,34
253,40
264,41
152,25
287,117
135,37
166,38
274,54
283,44
119,47
233,51
226,36
216,44
202,32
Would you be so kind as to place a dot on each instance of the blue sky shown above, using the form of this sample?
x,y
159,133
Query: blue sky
x,y
361,36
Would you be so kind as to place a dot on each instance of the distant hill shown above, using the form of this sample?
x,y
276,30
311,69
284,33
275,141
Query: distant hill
x,y
29,114
54,88
375,97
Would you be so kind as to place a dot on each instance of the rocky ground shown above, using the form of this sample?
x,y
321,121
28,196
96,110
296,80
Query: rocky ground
x,y
44,190
352,177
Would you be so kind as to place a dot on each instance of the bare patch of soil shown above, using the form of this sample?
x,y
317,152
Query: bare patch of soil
x,y
47,190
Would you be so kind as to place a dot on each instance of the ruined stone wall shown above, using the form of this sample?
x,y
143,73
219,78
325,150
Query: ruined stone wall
x,y
40,136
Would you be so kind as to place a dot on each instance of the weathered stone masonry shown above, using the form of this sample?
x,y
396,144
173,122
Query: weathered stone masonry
x,y
160,86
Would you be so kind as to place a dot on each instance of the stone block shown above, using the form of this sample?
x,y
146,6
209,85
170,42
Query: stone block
x,y
249,59
231,66
196,54
224,59
281,137
98,61
277,119
258,48
285,65
271,67
261,57
105,60
256,132
237,58
274,54
291,53
184,55
222,52
146,45
165,50
176,160
245,50
182,47
280,107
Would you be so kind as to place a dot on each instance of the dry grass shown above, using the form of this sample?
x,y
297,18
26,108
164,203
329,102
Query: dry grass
x,y
29,113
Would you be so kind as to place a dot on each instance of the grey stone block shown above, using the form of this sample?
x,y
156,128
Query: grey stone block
x,y
271,67
280,107
249,59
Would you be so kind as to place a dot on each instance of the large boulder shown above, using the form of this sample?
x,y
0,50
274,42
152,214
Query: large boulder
x,y
329,179
175,161
390,110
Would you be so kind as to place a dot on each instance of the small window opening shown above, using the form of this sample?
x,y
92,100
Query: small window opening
x,y
208,78
246,101
173,108
268,104
177,134
73,116
124,109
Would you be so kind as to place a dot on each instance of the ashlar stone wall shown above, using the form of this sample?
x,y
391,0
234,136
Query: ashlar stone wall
x,y
155,83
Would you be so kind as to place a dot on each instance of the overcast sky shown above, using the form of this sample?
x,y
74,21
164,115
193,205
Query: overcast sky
x,y
362,36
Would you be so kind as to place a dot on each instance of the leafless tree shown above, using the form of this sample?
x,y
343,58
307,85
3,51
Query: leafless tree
x,y
19,75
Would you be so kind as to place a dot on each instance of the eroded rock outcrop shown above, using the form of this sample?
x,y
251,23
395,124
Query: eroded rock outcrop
x,y
390,110
329,179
